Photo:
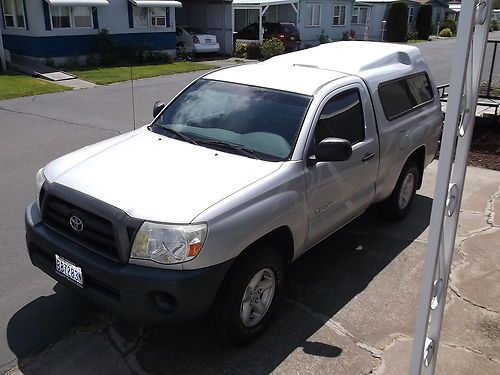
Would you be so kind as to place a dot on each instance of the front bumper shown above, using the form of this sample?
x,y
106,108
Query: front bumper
x,y
144,294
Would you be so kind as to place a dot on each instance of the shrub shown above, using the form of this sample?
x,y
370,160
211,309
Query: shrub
x,y
253,51
494,26
271,47
449,24
50,62
92,60
424,21
324,38
106,48
241,50
397,26
445,33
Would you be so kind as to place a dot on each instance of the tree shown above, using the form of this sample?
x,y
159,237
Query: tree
x,y
397,22
424,21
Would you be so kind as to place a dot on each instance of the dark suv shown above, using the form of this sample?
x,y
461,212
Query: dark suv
x,y
287,32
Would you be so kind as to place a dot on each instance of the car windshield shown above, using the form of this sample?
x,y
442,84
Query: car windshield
x,y
261,121
194,30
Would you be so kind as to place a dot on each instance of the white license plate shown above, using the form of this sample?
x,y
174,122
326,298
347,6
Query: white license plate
x,y
69,270
208,41
292,38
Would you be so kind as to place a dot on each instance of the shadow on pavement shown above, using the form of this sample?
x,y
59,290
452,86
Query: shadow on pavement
x,y
319,284
45,320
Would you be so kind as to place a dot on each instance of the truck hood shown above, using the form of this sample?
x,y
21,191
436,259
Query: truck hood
x,y
156,178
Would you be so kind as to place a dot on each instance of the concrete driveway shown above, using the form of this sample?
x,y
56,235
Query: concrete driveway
x,y
350,302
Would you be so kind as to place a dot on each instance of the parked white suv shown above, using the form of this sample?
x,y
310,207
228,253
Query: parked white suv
x,y
240,174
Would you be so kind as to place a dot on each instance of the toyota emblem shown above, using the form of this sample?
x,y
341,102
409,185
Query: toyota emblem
x,y
76,223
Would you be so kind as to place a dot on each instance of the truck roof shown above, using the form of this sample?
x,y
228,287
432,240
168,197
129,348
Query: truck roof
x,y
307,70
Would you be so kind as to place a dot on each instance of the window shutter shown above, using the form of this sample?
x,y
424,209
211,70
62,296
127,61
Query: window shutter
x,y
95,19
46,15
130,15
25,15
167,17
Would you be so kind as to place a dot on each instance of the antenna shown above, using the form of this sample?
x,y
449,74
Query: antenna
x,y
133,97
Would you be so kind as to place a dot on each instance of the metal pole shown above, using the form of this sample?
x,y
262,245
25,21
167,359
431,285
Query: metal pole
x,y
261,34
367,22
491,70
466,72
383,29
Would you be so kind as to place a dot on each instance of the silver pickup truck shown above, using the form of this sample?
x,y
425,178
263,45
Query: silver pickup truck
x,y
240,174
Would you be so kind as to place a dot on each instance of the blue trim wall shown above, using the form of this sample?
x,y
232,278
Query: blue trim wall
x,y
57,46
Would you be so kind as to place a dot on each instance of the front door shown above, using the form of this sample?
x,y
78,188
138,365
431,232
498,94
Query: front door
x,y
341,190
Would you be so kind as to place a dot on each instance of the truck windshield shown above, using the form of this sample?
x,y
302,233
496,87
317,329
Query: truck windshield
x,y
262,122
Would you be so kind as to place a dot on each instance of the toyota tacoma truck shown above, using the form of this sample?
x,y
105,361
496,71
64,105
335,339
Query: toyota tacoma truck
x,y
241,173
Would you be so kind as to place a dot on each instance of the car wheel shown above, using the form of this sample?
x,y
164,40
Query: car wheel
x,y
249,295
397,206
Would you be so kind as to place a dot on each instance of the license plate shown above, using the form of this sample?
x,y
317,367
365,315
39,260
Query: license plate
x,y
208,41
292,38
69,270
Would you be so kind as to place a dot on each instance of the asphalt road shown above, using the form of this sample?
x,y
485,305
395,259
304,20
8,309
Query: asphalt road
x,y
35,130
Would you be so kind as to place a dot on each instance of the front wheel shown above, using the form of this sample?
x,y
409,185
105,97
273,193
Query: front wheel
x,y
249,295
397,206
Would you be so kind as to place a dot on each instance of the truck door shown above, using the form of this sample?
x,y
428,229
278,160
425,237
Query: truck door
x,y
339,191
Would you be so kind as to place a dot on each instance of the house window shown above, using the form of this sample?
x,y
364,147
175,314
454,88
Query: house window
x,y
313,14
410,15
151,17
71,17
339,12
359,15
13,13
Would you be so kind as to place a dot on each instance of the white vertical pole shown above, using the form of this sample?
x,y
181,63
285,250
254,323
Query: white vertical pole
x,y
466,71
261,32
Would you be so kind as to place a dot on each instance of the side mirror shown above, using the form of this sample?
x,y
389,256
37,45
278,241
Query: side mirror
x,y
157,108
333,149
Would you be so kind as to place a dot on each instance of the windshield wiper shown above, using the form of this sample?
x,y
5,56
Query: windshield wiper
x,y
179,135
231,146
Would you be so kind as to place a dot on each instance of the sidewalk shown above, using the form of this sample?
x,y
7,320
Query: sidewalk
x,y
349,308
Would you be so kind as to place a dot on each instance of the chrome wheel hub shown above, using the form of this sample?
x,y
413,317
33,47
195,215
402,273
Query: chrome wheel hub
x,y
406,191
258,297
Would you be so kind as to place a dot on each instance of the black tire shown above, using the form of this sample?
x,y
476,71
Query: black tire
x,y
396,207
228,307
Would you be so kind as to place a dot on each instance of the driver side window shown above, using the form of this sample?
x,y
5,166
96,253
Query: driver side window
x,y
342,117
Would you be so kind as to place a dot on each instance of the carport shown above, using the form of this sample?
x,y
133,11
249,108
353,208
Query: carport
x,y
214,17
263,8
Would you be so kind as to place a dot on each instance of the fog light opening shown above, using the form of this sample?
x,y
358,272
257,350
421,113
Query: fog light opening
x,y
165,301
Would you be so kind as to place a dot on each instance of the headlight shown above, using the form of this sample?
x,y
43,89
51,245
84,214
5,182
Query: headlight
x,y
40,180
168,244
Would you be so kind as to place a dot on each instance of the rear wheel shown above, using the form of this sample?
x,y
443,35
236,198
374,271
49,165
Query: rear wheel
x,y
249,295
397,206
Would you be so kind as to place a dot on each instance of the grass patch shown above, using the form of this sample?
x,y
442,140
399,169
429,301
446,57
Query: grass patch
x,y
104,76
14,85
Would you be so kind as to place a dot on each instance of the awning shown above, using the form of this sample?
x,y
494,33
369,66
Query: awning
x,y
78,3
156,3
262,3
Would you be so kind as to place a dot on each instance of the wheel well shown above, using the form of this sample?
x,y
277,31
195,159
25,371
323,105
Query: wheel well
x,y
419,156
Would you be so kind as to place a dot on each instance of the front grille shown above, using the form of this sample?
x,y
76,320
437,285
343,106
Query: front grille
x,y
97,233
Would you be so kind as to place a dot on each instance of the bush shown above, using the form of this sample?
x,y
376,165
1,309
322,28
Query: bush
x,y
271,47
494,26
449,24
241,50
106,48
253,51
445,33
92,60
424,21
324,38
397,26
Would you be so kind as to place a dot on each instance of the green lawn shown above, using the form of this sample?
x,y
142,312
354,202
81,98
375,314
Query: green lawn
x,y
104,76
14,85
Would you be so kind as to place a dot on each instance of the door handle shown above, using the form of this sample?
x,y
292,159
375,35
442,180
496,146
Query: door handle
x,y
368,156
